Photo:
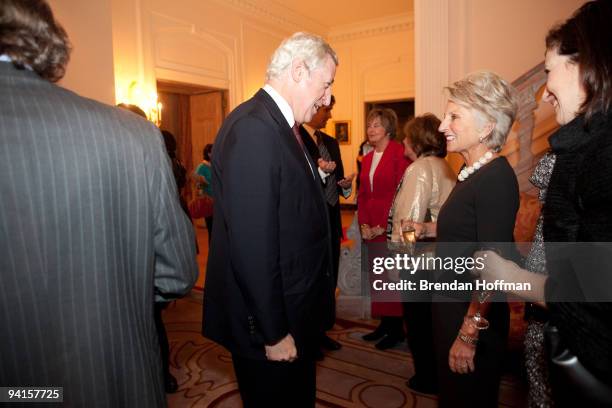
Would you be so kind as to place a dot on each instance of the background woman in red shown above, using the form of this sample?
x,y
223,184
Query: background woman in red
x,y
382,169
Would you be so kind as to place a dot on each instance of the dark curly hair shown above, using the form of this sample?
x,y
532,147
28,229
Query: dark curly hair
x,y
585,38
31,37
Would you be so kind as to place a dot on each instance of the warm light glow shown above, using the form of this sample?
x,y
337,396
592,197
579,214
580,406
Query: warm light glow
x,y
136,96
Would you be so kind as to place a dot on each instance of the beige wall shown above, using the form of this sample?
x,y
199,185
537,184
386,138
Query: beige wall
x,y
90,71
376,64
506,37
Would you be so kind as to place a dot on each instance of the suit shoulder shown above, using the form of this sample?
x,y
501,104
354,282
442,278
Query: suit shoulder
x,y
328,139
252,110
95,119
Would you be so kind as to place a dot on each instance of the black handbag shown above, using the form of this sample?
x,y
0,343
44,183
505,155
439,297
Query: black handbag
x,y
571,382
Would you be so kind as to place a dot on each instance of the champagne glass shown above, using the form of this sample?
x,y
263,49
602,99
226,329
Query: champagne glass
x,y
476,320
408,235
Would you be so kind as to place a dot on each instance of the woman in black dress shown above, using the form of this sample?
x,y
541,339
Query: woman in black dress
x,y
480,211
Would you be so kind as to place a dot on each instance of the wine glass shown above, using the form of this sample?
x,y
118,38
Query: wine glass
x,y
408,235
476,320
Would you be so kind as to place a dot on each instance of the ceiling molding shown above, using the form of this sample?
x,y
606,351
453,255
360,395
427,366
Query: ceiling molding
x,y
374,27
278,14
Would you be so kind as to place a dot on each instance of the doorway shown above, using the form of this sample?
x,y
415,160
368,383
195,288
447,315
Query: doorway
x,y
193,114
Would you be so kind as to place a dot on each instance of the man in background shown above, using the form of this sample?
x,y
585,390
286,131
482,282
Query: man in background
x,y
325,151
270,267
91,229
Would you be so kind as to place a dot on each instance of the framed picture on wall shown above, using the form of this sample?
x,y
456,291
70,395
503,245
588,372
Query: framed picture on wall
x,y
342,130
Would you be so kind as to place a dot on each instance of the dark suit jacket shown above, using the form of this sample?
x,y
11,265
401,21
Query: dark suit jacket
x,y
90,229
269,265
334,151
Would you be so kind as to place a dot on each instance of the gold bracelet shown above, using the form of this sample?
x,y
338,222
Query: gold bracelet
x,y
467,339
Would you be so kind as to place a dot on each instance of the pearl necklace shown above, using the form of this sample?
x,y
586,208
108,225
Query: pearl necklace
x,y
469,170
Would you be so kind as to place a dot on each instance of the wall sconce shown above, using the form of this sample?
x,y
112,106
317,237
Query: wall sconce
x,y
155,113
150,105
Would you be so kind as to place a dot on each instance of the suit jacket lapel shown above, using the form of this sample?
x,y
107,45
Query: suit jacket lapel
x,y
296,150
287,133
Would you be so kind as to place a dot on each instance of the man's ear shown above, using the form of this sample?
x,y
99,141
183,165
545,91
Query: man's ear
x,y
298,70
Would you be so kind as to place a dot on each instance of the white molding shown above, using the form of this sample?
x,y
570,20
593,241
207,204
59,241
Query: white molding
x,y
160,23
373,27
431,55
276,13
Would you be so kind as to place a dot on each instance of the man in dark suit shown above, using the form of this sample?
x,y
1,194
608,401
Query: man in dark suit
x,y
325,151
91,229
269,268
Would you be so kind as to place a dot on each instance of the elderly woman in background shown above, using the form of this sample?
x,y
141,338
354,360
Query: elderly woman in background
x,y
577,204
381,172
426,184
480,210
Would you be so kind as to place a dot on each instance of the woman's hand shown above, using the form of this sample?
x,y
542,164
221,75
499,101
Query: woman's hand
x,y
377,231
497,268
461,357
366,232
420,228
369,233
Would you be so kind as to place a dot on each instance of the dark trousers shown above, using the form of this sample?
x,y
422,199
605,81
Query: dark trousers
x,y
274,384
335,224
162,337
420,340
209,225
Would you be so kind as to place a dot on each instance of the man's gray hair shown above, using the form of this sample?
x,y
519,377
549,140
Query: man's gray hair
x,y
492,99
310,48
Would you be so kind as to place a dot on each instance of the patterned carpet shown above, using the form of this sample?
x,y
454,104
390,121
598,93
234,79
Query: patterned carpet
x,y
358,375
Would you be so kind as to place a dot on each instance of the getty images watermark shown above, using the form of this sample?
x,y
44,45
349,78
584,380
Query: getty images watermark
x,y
575,271
401,264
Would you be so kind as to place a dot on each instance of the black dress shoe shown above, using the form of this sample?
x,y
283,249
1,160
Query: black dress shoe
x,y
389,341
375,335
330,344
415,383
170,385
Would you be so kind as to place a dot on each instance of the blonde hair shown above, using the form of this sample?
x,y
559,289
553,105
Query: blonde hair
x,y
310,48
492,98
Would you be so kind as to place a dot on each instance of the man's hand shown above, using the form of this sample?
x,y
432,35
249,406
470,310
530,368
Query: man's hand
x,y
284,350
326,166
347,182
